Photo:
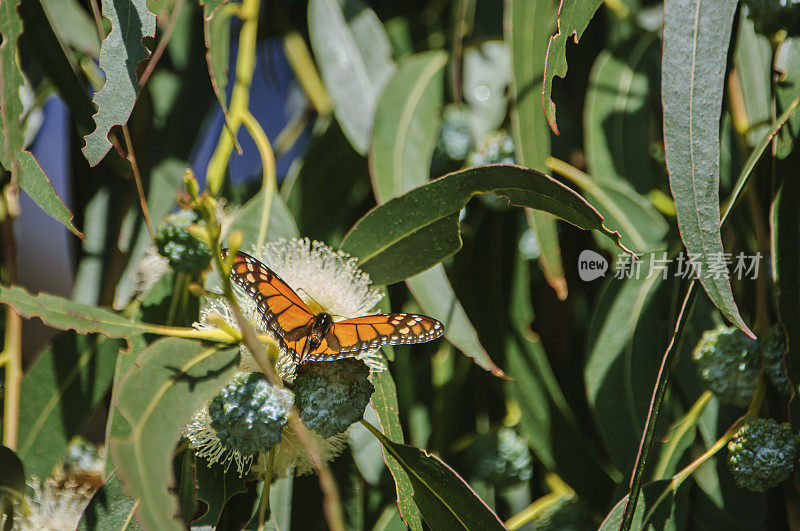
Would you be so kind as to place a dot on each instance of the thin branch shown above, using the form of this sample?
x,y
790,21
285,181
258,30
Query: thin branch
x,y
138,179
162,43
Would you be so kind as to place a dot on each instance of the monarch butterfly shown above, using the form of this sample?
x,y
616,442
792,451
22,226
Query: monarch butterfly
x,y
307,336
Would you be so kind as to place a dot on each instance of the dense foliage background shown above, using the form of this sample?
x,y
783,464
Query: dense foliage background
x,y
566,397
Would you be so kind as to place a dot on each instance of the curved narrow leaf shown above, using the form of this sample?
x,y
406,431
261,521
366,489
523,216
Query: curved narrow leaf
x,y
415,231
217,33
400,159
616,116
681,436
73,25
281,222
59,392
407,125
65,314
109,508
120,53
13,156
354,56
654,510
573,17
626,321
527,35
696,37
444,499
170,381
384,400
787,63
752,61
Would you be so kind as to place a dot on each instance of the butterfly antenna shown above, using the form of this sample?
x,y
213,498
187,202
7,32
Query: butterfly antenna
x,y
315,300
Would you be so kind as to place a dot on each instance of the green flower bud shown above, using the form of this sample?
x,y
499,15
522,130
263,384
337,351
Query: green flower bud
x,y
184,251
249,414
454,143
773,347
332,395
762,454
728,363
501,458
567,513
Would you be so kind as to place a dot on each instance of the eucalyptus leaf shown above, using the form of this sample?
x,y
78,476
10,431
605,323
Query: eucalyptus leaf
x,y
354,56
527,35
215,487
120,54
171,381
12,480
65,314
654,509
59,392
445,500
573,18
384,400
696,37
415,231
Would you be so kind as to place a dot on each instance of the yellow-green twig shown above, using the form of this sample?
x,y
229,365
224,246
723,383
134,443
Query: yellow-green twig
x,y
240,96
303,66
269,179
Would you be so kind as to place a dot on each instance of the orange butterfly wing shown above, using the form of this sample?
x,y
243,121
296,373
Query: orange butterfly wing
x,y
350,337
291,321
284,313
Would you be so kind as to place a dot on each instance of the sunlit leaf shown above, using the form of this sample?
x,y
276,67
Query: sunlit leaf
x,y
384,400
573,17
626,321
170,381
59,393
527,34
355,59
616,116
407,124
73,24
415,231
696,37
13,156
444,499
65,314
120,53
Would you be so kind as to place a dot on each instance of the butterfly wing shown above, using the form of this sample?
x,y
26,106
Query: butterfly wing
x,y
284,313
348,338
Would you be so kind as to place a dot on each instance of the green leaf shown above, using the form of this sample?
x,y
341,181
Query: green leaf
x,y
681,436
158,395
65,314
415,231
355,60
248,220
73,25
434,293
109,508
384,400
573,17
616,116
654,509
120,53
696,37
626,321
217,30
59,393
403,143
752,61
12,480
444,499
13,156
527,35
788,88
215,486
407,125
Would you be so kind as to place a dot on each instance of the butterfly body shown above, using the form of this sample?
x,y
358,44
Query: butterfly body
x,y
309,336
